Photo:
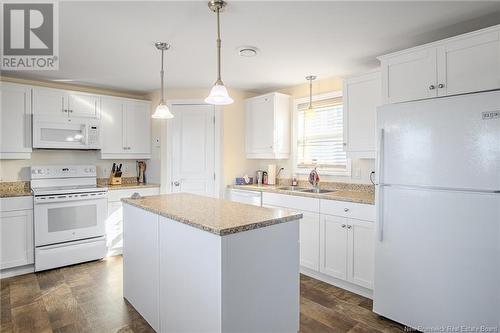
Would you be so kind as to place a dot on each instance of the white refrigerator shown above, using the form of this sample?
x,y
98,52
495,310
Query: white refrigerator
x,y
437,253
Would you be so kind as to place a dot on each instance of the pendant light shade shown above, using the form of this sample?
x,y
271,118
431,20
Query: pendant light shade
x,y
218,94
162,111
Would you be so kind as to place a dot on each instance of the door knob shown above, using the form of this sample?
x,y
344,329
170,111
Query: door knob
x,y
440,86
349,226
343,225
346,210
432,87
176,183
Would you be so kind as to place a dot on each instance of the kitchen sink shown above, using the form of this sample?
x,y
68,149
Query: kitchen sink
x,y
314,190
292,188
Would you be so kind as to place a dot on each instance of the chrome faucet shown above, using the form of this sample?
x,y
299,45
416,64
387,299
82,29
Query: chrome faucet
x,y
314,178
278,176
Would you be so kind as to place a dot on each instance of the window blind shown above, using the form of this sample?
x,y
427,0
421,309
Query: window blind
x,y
320,135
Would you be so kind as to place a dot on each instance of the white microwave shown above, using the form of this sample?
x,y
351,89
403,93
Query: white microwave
x,y
66,133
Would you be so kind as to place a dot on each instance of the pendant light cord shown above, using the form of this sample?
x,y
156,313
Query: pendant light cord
x,y
310,94
161,75
219,42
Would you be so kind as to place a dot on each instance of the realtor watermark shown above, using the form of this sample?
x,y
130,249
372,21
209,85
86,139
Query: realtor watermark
x,y
30,35
453,329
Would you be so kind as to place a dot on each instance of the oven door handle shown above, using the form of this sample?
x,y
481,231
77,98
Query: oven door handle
x,y
70,197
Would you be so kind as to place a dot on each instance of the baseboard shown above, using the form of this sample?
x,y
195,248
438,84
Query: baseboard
x,y
365,292
15,271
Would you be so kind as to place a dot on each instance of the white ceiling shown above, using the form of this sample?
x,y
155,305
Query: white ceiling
x,y
110,44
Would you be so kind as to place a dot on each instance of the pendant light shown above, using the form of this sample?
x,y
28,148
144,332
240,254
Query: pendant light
x,y
162,111
310,109
218,94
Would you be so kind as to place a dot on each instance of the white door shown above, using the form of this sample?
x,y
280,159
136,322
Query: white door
x,y
193,149
83,105
138,128
333,246
361,252
259,125
469,64
450,142
47,101
309,240
16,238
15,119
112,124
410,76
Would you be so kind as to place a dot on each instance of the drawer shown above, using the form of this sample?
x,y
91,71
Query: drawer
x,y
16,203
348,209
290,201
117,195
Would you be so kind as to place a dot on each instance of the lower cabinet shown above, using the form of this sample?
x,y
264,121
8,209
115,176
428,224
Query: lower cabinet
x,y
347,249
114,221
16,232
337,239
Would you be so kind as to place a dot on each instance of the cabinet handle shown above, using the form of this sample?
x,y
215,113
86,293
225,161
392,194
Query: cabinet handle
x,y
343,225
71,111
346,210
440,86
349,226
344,144
432,87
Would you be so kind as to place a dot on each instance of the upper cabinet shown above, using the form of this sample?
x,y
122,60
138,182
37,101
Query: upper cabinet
x,y
126,129
58,102
15,121
463,64
268,126
361,96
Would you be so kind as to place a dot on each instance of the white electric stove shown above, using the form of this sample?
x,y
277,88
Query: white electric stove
x,y
69,215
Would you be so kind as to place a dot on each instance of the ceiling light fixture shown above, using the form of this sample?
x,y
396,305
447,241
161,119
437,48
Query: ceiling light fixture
x,y
162,111
248,51
218,94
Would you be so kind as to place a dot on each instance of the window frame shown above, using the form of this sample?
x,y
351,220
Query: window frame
x,y
328,171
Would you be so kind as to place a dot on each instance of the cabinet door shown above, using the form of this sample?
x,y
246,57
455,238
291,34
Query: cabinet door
x,y
361,252
362,95
138,128
112,124
409,76
333,246
309,240
15,121
114,228
83,105
259,126
47,101
16,235
470,64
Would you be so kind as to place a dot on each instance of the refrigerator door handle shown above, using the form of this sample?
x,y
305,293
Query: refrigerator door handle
x,y
380,186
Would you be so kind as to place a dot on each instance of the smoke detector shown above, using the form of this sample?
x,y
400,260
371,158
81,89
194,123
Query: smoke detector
x,y
247,51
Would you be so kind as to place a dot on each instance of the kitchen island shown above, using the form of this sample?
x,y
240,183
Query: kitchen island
x,y
199,264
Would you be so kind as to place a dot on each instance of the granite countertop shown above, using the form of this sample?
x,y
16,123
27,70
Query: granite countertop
x,y
220,217
362,195
15,189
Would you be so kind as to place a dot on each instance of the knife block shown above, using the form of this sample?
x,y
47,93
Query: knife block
x,y
115,180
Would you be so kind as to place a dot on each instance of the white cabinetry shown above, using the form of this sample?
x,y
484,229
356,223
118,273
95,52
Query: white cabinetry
x,y
126,129
247,197
114,221
361,96
268,126
336,239
57,102
16,232
462,64
15,121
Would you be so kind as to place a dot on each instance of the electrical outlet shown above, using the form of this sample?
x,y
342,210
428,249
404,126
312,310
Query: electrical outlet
x,y
357,173
125,169
105,172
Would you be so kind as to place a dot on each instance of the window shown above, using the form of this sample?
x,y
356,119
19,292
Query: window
x,y
319,135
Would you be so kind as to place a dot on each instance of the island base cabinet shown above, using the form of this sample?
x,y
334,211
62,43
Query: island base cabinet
x,y
184,279
140,263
